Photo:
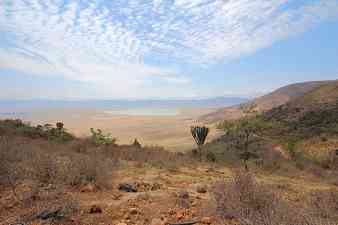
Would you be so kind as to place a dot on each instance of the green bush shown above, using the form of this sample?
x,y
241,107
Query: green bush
x,y
99,138
47,131
211,157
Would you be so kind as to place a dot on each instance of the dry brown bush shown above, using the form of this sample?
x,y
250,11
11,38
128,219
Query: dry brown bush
x,y
75,163
325,204
244,198
48,163
251,203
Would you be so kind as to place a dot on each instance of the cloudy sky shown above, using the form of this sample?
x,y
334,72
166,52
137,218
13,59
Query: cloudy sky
x,y
66,49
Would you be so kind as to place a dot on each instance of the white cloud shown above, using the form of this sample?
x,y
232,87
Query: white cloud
x,y
108,41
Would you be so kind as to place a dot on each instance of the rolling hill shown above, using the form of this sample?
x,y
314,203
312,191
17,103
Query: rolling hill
x,y
314,113
266,102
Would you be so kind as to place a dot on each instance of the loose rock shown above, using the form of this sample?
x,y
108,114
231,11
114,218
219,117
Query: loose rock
x,y
133,211
183,194
95,209
156,221
202,189
89,188
127,187
206,220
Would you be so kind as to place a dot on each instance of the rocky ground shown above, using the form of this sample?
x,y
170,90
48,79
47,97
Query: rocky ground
x,y
141,196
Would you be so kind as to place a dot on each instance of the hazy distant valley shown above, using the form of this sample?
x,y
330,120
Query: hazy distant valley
x,y
153,122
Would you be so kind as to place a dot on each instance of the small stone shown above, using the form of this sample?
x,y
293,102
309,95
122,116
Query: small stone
x,y
179,215
202,189
95,209
127,188
121,224
193,213
183,194
206,220
88,188
156,221
133,211
126,217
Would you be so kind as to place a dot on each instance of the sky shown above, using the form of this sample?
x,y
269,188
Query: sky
x,y
102,49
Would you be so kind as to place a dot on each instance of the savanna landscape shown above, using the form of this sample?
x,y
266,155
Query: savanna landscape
x,y
168,112
268,166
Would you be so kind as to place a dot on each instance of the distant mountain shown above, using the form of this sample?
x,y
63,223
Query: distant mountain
x,y
123,104
266,102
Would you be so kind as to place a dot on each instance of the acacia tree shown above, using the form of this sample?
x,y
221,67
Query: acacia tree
x,y
243,133
199,134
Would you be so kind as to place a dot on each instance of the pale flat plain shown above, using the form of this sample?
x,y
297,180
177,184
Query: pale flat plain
x,y
170,129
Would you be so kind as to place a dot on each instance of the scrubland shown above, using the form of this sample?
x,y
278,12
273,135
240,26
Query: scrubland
x,y
48,176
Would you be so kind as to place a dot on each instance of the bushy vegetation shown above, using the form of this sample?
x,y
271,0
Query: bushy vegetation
x,y
44,163
47,161
44,159
99,138
243,136
247,201
47,131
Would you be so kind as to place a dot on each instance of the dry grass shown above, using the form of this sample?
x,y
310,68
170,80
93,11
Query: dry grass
x,y
49,163
76,163
43,174
249,202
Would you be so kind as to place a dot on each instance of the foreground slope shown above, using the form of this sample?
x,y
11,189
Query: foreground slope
x,y
47,179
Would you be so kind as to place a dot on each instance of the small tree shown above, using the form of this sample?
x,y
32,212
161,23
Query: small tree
x,y
137,144
99,138
199,134
243,133
59,125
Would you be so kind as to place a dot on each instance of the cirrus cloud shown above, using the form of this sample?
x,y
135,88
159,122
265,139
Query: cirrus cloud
x,y
110,41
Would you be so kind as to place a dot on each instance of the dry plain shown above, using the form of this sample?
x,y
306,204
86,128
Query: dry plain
x,y
169,128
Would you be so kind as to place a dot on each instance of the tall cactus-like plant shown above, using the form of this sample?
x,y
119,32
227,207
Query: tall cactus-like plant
x,y
199,134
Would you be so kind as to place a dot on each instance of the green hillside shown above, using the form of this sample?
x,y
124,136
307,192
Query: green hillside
x,y
315,113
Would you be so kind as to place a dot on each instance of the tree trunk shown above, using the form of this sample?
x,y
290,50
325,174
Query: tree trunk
x,y
246,165
200,152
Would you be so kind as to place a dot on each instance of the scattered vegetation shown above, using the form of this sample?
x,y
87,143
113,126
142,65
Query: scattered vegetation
x,y
249,202
47,131
99,138
46,160
243,135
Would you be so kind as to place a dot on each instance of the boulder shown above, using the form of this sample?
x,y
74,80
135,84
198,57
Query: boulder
x,y
127,187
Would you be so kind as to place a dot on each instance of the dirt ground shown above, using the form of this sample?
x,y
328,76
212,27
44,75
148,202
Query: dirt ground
x,y
163,197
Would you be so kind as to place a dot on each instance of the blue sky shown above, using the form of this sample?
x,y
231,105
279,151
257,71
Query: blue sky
x,y
66,49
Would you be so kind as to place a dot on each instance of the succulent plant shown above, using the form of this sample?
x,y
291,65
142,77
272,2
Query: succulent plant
x,y
199,134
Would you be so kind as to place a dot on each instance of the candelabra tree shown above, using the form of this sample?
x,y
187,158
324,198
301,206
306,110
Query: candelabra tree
x,y
199,134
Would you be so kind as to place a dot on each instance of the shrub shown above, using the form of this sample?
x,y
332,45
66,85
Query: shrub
x,y
244,198
99,138
47,163
211,157
249,202
325,203
19,128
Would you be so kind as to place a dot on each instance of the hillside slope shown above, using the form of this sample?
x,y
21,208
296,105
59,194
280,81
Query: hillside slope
x,y
266,102
314,113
